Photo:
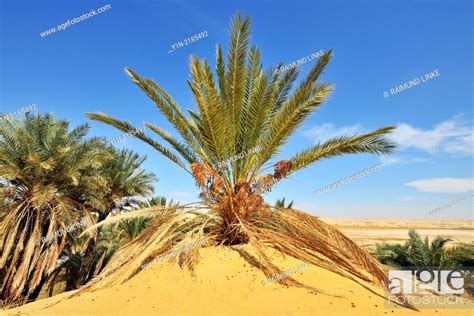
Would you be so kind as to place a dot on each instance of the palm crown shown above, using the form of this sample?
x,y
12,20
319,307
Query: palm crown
x,y
243,109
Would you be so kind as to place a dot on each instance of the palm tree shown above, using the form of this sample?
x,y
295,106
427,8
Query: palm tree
x,y
47,174
280,203
51,178
421,253
131,228
74,269
158,200
244,108
125,179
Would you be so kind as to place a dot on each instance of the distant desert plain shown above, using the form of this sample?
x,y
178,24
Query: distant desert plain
x,y
367,232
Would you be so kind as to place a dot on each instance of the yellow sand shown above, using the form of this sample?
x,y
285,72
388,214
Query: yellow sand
x,y
225,284
368,231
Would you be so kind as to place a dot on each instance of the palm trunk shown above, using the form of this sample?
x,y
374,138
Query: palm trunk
x,y
235,209
34,295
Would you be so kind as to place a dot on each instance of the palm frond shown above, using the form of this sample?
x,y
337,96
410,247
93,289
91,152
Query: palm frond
x,y
128,128
372,142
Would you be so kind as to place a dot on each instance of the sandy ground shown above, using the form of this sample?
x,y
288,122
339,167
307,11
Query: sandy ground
x,y
226,284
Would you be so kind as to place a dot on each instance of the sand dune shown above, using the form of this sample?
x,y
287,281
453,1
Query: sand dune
x,y
226,284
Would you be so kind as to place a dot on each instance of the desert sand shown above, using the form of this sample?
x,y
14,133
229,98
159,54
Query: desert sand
x,y
367,232
224,283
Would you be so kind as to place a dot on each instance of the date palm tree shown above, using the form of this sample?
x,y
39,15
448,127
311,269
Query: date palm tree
x,y
74,268
423,254
52,178
280,203
131,228
242,108
47,173
124,179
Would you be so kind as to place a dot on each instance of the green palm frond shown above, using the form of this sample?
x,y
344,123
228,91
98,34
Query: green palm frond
x,y
129,128
236,75
373,142
420,253
243,108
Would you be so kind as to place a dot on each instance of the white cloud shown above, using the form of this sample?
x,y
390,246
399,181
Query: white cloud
x,y
463,145
328,130
443,185
453,136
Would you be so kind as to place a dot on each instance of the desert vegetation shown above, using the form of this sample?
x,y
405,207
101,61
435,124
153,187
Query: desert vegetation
x,y
242,107
51,176
421,253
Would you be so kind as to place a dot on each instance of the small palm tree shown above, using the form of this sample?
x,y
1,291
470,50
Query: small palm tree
x,y
74,269
158,200
243,108
281,203
421,253
131,228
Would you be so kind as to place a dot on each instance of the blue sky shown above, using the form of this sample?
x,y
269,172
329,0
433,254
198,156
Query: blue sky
x,y
378,45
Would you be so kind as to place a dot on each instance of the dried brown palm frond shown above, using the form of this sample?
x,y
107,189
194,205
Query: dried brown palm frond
x,y
305,237
21,247
310,240
177,233
168,237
